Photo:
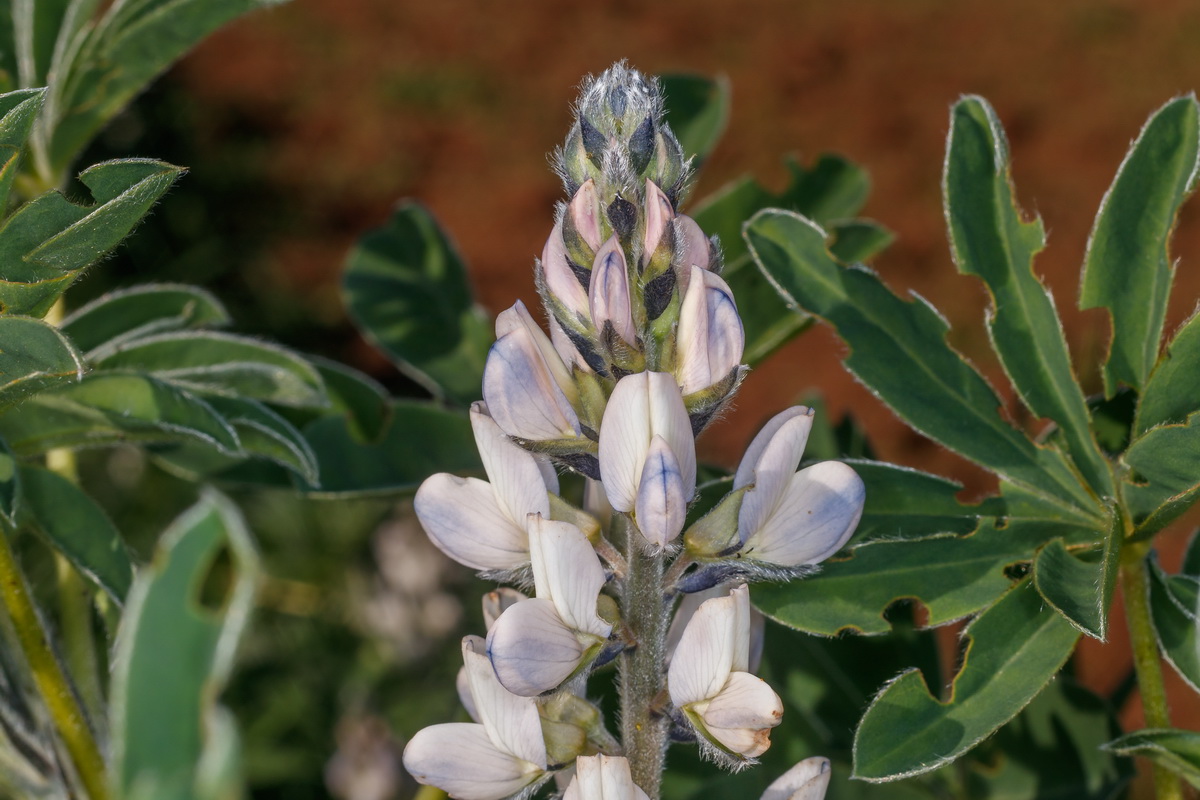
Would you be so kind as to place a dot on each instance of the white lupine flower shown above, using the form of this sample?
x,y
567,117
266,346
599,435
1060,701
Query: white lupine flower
x,y
518,317
642,406
659,214
793,518
560,280
708,679
807,780
479,523
661,504
603,777
489,760
537,644
692,249
710,339
584,211
687,608
521,390
609,291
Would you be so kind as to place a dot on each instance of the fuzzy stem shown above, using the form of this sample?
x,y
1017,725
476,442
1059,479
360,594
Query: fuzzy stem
x,y
48,675
1136,588
643,727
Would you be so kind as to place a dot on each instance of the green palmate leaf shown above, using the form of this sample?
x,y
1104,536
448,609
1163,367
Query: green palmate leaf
x,y
1014,649
78,528
18,110
952,576
48,242
905,503
10,488
174,656
831,191
1051,751
33,356
1175,609
110,408
408,291
226,364
899,350
1080,586
697,111
1173,391
363,402
131,44
1128,269
1178,751
1165,464
127,314
421,439
990,240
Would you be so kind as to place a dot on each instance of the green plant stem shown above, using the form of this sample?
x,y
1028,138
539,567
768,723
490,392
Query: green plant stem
x,y
1136,588
57,693
75,593
643,726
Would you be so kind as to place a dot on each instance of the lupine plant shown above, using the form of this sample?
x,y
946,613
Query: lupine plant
x,y
644,351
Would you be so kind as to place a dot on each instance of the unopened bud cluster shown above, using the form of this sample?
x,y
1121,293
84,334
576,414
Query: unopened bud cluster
x,y
644,349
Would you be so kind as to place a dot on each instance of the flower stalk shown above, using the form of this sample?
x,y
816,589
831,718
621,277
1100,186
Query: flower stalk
x,y
1135,586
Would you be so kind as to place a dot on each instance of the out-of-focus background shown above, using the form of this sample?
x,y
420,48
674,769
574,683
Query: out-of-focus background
x,y
303,125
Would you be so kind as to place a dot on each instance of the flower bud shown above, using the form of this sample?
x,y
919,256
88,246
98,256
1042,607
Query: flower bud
x,y
603,777
710,339
642,406
794,518
807,780
692,249
609,292
518,317
581,230
521,391
661,504
561,284
659,214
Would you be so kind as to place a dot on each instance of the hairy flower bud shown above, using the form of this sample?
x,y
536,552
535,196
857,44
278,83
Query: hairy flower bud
x,y
609,292
711,338
643,406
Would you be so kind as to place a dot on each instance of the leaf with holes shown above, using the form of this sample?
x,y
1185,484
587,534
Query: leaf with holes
x,y
407,289
952,576
1173,391
1128,268
175,654
33,356
899,350
1014,649
124,315
78,528
49,241
990,240
1165,464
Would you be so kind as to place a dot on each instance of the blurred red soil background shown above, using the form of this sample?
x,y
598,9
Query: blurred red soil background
x,y
357,103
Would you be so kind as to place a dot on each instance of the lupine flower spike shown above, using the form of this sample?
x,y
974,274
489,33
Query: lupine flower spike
x,y
642,349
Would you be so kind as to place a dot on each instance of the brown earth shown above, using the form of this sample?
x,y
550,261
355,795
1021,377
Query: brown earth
x,y
456,103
